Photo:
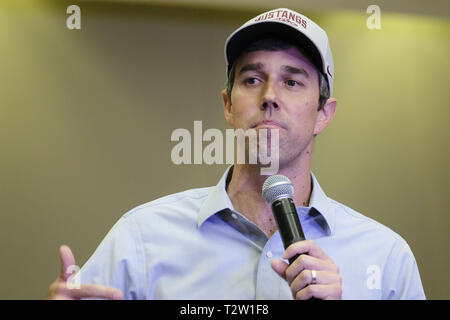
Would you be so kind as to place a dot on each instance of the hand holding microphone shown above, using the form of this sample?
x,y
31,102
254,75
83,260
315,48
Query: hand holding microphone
x,y
311,273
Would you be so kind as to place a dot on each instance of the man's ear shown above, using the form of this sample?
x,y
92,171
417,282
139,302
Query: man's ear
x,y
325,115
227,108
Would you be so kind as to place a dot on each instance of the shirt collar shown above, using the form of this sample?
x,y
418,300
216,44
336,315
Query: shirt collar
x,y
321,207
218,200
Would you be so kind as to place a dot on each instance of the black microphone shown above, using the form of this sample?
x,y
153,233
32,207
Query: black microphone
x,y
278,191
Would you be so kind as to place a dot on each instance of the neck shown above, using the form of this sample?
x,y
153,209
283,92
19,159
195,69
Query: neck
x,y
245,190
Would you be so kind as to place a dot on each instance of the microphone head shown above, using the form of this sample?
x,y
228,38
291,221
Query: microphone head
x,y
277,187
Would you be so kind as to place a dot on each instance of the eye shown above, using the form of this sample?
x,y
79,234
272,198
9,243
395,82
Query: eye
x,y
293,83
251,81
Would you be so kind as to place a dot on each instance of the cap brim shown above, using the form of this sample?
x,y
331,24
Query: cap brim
x,y
270,29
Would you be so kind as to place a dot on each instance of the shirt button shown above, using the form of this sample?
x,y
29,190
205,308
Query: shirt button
x,y
234,215
269,254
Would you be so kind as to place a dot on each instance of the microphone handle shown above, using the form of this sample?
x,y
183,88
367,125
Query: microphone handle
x,y
292,259
288,223
291,231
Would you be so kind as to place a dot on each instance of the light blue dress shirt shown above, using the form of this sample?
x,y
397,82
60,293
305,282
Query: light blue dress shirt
x,y
194,245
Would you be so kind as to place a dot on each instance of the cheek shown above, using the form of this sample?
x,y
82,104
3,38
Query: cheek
x,y
303,118
243,109
241,98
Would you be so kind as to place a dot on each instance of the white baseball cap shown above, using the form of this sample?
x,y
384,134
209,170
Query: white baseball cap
x,y
286,24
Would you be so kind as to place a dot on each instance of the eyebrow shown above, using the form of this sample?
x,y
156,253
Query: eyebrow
x,y
285,68
291,69
251,67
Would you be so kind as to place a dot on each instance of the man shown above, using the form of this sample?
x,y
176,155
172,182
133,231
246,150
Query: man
x,y
222,242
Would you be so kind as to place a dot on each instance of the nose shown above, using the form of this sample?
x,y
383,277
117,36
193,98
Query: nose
x,y
269,97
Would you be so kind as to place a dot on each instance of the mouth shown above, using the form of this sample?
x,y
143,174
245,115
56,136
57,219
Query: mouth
x,y
268,124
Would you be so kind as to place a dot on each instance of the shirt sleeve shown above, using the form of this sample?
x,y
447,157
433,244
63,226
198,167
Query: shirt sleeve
x,y
117,262
401,278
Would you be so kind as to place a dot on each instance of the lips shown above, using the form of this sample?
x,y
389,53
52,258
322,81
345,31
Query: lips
x,y
268,123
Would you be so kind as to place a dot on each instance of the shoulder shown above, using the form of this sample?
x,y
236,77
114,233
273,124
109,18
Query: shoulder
x,y
187,200
371,236
377,252
352,221
161,217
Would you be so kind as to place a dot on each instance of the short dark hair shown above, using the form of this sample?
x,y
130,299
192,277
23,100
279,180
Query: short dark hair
x,y
274,44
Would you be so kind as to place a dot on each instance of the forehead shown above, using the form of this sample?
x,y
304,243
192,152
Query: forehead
x,y
276,58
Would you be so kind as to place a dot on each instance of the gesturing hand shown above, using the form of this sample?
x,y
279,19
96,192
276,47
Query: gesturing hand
x,y
61,290
313,261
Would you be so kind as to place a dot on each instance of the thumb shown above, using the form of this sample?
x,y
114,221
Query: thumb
x,y
279,266
67,260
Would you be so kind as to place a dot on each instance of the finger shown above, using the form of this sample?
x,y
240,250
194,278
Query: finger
x,y
67,260
320,291
308,247
305,278
279,266
305,262
94,291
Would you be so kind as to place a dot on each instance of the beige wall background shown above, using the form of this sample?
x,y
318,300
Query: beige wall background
x,y
86,118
